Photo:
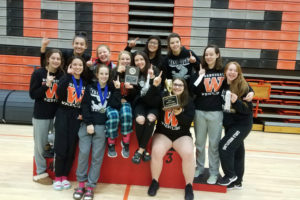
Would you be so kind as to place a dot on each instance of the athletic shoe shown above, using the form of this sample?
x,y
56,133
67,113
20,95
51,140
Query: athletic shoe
x,y
66,184
146,156
136,159
153,188
78,193
225,181
43,179
234,185
212,179
189,194
111,151
57,185
88,195
125,149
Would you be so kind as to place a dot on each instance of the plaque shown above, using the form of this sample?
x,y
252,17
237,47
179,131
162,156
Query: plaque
x,y
170,101
132,75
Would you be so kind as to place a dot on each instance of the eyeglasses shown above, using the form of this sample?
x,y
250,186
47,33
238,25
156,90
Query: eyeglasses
x,y
178,85
153,43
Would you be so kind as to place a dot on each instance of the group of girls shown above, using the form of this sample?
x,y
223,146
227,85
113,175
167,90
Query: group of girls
x,y
89,98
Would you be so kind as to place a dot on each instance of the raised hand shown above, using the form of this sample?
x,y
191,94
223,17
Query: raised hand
x,y
70,70
121,68
89,63
201,71
132,43
192,58
157,80
117,83
49,79
249,97
44,44
151,72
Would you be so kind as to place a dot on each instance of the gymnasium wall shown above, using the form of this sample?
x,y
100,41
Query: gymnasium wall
x,y
258,34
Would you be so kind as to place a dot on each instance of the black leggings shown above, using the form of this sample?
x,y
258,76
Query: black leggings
x,y
232,150
66,137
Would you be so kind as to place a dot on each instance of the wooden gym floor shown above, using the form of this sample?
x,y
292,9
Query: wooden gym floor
x,y
272,172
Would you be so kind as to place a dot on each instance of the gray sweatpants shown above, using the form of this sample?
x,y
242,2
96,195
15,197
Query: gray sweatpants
x,y
97,142
208,123
41,128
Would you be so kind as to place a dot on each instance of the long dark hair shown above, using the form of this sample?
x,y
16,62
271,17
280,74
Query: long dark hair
x,y
144,72
49,54
172,35
184,97
158,52
218,65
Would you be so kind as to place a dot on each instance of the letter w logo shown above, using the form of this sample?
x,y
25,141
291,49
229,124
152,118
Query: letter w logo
x,y
51,92
170,118
213,84
72,96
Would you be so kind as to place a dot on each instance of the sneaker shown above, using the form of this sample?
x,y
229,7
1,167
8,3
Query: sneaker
x,y
111,151
235,185
225,181
136,159
66,184
88,195
146,156
189,194
212,179
153,188
125,149
57,185
43,179
78,193
197,173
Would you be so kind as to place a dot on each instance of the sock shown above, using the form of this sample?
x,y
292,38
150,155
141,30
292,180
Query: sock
x,y
63,178
126,138
111,141
81,184
58,178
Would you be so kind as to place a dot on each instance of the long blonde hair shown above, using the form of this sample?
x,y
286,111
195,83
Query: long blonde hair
x,y
239,86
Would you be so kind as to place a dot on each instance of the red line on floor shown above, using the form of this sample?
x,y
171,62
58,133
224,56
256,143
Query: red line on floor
x,y
276,152
127,190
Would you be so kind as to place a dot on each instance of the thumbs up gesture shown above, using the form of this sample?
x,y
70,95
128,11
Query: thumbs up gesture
x,y
117,83
89,63
157,80
192,58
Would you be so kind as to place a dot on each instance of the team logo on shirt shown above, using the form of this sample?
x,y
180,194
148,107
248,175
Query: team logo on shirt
x,y
72,96
170,121
51,92
213,84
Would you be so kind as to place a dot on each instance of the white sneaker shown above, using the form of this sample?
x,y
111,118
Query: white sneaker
x,y
212,179
66,184
57,185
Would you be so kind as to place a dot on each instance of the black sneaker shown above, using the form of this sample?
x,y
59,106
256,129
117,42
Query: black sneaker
x,y
235,185
153,188
125,149
146,156
225,181
136,159
111,151
189,194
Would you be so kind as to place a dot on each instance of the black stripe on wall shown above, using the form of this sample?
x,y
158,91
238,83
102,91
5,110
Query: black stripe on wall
x,y
297,65
222,4
252,62
14,22
84,20
49,14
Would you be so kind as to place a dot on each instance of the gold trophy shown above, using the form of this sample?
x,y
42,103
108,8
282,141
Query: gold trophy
x,y
170,101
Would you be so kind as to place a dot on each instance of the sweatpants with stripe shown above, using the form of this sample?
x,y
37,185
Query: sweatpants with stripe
x,y
96,143
66,137
232,150
41,128
208,123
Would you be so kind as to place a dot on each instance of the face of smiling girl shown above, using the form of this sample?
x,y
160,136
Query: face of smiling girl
x,y
175,45
54,60
177,87
139,61
77,67
211,57
79,45
103,75
231,73
103,54
125,60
